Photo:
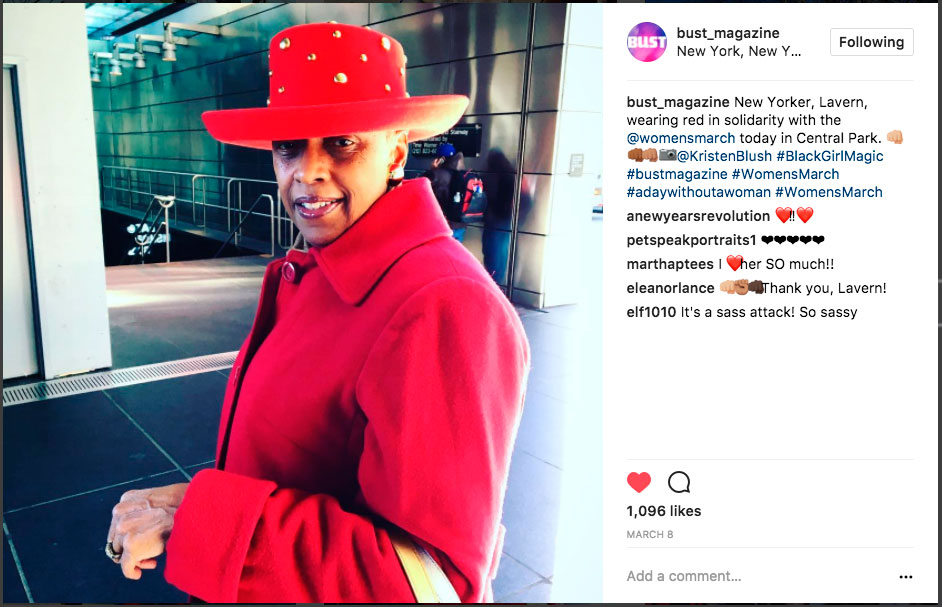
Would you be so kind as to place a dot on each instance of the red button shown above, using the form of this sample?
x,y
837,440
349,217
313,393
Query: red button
x,y
288,272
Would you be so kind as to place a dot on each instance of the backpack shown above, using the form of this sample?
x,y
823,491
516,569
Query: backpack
x,y
468,199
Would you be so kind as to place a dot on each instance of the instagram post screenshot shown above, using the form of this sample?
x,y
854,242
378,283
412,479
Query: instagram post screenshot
x,y
470,302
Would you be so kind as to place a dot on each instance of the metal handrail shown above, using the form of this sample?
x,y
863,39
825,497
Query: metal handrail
x,y
165,202
281,222
240,180
149,181
285,227
204,177
248,213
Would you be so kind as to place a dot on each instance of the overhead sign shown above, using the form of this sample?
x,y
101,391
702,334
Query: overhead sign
x,y
465,137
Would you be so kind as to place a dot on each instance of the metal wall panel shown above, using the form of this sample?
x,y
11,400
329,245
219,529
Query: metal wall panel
x,y
385,11
527,299
246,73
243,100
545,78
494,84
528,262
354,13
102,122
101,97
460,31
435,79
104,144
483,29
549,26
233,155
179,116
535,203
425,37
540,142
128,121
190,84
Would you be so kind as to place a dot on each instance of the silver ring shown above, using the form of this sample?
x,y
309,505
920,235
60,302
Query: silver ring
x,y
114,556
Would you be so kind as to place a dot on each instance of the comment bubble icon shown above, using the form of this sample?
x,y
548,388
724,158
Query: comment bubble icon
x,y
679,482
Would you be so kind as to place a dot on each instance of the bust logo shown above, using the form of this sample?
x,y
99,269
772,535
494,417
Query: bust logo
x,y
647,41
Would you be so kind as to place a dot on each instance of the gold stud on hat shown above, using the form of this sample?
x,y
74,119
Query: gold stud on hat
x,y
384,42
268,101
284,44
363,58
270,73
402,71
336,33
388,88
340,78
331,22
311,57
281,89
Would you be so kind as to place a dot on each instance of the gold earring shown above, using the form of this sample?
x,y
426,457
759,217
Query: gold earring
x,y
396,174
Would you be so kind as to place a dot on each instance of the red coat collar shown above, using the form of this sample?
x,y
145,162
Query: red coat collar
x,y
397,222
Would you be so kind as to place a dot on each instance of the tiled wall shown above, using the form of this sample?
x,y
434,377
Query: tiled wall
x,y
150,118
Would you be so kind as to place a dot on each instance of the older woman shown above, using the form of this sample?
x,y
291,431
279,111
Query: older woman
x,y
370,415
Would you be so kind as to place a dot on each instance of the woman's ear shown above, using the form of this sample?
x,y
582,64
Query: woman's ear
x,y
400,151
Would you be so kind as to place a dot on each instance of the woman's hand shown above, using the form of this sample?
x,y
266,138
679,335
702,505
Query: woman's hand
x,y
140,525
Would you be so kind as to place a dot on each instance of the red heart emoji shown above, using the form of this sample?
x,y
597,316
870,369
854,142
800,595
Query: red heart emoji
x,y
734,262
639,482
805,213
784,214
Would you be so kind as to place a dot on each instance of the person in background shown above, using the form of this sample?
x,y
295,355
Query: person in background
x,y
446,170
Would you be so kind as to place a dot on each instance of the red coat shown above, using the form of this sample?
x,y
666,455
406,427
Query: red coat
x,y
383,384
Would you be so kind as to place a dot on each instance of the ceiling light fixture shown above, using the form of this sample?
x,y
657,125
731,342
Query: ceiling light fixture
x,y
114,59
169,42
95,70
137,56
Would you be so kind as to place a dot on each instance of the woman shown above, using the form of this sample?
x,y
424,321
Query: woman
x,y
380,388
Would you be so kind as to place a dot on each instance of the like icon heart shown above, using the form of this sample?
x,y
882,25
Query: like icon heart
x,y
639,481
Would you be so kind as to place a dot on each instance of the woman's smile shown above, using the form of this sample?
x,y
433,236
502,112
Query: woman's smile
x,y
315,207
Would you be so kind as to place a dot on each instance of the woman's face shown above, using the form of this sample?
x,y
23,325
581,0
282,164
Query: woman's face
x,y
328,183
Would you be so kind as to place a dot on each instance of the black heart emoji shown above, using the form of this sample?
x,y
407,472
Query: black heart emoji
x,y
792,239
767,239
804,239
818,239
780,239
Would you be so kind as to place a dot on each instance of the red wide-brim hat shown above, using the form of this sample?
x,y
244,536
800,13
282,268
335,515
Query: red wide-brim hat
x,y
330,79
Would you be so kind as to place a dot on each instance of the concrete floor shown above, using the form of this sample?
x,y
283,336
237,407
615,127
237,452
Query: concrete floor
x,y
67,461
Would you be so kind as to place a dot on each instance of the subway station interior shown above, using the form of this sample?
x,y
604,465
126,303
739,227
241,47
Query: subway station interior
x,y
134,246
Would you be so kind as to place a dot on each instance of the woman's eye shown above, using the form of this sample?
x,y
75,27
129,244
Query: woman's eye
x,y
286,147
343,142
